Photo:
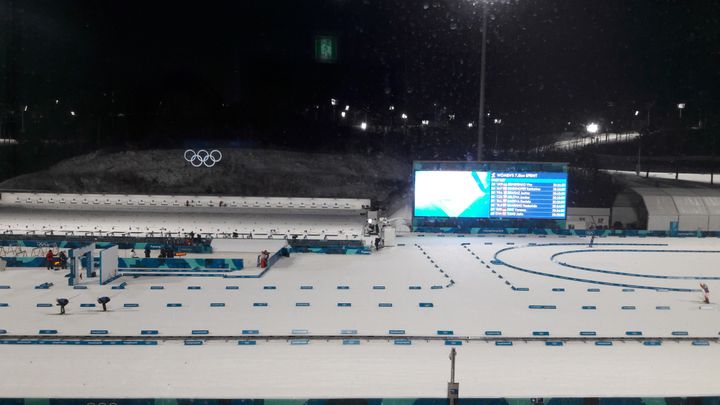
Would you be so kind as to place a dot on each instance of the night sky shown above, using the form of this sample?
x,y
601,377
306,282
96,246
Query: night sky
x,y
235,69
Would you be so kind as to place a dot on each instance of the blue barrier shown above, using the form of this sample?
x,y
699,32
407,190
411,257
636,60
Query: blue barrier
x,y
603,343
79,342
344,304
157,287
247,342
217,304
260,304
378,287
588,333
652,343
299,332
99,332
351,342
200,332
174,305
299,341
139,263
589,307
426,305
131,305
593,290
306,287
542,307
680,333
700,343
194,287
414,287
503,343
385,305
87,305
148,332
402,342
633,333
193,342
453,343
232,287
44,305
662,308
541,333
348,332
48,332
445,332
553,343
396,331
302,304
628,307
250,332
343,287
493,333
4,304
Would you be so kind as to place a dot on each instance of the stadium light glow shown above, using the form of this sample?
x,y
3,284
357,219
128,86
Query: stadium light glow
x,y
72,113
425,122
637,112
403,116
347,108
681,106
592,128
470,124
343,114
363,125
333,101
391,108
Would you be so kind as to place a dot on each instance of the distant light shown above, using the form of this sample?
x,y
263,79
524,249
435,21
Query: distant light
x,y
637,112
592,128
391,108
72,113
25,109
470,124
342,114
403,116
681,106
363,125
425,122
57,101
347,108
451,117
497,121
333,101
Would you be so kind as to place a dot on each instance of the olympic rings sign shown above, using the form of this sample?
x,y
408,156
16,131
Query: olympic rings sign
x,y
203,157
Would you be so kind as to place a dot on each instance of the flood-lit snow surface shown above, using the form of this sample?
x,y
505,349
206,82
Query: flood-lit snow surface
x,y
620,285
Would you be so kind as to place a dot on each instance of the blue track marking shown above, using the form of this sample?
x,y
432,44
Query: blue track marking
x,y
584,280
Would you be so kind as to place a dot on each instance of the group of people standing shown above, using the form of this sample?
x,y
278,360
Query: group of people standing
x,y
56,261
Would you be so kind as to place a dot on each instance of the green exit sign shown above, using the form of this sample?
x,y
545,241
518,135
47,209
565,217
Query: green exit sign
x,y
326,49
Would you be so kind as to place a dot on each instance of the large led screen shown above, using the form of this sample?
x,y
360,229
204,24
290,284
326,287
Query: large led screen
x,y
490,194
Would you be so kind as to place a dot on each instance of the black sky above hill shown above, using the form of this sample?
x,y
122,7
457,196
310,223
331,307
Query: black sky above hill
x,y
251,63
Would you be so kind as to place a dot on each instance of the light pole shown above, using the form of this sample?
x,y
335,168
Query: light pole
x,y
481,112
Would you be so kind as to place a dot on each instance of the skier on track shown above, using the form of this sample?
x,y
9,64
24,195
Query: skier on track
x,y
706,293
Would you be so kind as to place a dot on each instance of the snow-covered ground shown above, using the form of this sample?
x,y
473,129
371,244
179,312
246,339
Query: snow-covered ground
x,y
476,297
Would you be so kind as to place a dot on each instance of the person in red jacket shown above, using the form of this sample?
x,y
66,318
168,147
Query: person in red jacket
x,y
49,257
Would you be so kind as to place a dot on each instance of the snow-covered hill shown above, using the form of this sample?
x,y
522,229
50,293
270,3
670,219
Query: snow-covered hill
x,y
247,172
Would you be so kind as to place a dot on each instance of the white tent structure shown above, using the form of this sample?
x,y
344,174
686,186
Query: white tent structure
x,y
661,208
